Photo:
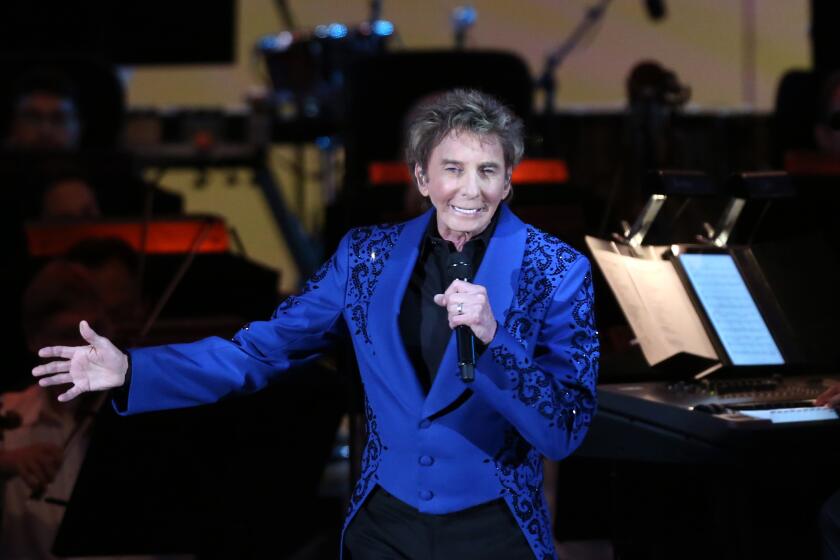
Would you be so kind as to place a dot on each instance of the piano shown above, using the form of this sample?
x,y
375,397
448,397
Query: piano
x,y
740,338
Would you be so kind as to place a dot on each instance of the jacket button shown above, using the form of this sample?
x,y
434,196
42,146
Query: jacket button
x,y
424,424
425,495
426,461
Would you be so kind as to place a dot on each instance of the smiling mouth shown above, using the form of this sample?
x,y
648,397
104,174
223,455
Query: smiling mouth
x,y
466,211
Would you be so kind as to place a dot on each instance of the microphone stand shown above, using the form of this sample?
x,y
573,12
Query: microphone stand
x,y
375,10
546,82
282,7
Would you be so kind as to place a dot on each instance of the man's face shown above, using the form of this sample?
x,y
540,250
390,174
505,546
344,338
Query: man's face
x,y
465,180
45,121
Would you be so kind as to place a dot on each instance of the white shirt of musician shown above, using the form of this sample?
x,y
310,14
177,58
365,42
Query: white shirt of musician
x,y
29,526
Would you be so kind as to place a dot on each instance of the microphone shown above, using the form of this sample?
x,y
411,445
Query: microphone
x,y
457,268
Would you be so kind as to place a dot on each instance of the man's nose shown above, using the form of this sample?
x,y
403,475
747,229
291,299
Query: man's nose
x,y
470,186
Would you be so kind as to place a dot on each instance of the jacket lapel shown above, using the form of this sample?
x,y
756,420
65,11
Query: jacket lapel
x,y
499,273
384,312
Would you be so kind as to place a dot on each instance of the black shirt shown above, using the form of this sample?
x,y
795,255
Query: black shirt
x,y
424,325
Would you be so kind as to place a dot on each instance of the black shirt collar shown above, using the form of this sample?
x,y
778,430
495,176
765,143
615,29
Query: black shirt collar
x,y
433,237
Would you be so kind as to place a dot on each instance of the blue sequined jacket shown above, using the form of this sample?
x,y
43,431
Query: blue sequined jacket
x,y
461,444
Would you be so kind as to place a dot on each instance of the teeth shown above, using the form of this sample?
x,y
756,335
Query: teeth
x,y
468,211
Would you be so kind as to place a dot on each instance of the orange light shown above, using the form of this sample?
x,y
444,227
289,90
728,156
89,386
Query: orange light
x,y
47,239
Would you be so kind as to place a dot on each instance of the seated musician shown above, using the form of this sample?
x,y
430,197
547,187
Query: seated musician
x,y
40,459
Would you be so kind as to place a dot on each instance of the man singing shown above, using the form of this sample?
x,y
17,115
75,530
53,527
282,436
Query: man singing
x,y
452,468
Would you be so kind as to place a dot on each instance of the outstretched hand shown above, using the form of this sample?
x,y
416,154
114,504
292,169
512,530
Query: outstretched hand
x,y
99,366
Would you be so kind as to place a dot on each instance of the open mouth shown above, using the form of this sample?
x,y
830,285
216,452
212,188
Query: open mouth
x,y
466,211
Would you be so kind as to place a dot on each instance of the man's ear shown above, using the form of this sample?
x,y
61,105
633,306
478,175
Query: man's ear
x,y
420,177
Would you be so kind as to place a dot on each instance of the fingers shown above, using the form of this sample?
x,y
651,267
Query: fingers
x,y
31,479
60,366
70,394
39,472
829,397
457,290
58,352
37,465
90,335
56,380
465,318
459,286
458,308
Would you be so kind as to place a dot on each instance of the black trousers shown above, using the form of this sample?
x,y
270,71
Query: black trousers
x,y
387,528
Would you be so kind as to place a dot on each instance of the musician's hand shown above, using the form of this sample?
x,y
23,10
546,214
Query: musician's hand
x,y
830,397
36,464
475,311
99,366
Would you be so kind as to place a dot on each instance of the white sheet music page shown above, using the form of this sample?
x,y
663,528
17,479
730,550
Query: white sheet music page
x,y
655,303
669,306
731,309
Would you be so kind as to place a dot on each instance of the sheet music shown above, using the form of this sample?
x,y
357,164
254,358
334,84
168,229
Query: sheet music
x,y
655,303
654,348
731,309
669,307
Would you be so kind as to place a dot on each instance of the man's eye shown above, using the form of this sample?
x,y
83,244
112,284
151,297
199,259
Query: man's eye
x,y
488,170
452,169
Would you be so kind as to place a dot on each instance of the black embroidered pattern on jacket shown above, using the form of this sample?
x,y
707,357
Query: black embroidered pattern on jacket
x,y
545,261
585,353
312,284
371,456
544,265
520,471
564,406
370,248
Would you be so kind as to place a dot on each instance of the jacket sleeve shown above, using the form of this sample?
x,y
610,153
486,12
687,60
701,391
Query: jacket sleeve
x,y
182,375
550,397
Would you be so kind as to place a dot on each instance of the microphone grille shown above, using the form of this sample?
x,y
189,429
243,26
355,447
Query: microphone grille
x,y
458,267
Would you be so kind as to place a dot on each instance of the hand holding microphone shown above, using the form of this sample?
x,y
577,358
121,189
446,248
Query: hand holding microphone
x,y
470,313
